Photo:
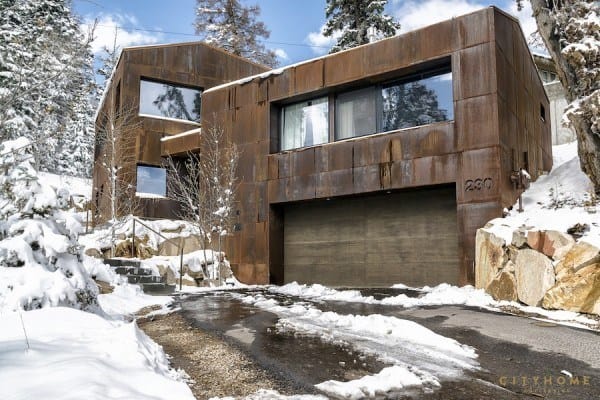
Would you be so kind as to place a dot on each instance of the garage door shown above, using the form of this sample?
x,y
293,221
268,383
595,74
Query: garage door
x,y
407,237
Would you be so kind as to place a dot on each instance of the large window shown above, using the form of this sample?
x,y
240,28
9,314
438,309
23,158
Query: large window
x,y
305,124
417,102
170,101
151,181
356,113
413,100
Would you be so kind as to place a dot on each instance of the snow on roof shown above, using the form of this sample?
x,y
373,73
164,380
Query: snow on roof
x,y
182,134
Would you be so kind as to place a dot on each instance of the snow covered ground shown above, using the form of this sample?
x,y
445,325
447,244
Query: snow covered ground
x,y
556,201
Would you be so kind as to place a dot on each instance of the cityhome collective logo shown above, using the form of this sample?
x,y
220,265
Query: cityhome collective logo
x,y
544,384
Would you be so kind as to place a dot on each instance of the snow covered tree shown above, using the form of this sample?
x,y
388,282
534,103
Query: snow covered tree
x,y
570,29
204,186
40,260
358,21
233,27
44,59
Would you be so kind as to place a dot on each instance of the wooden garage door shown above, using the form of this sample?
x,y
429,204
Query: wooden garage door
x,y
407,237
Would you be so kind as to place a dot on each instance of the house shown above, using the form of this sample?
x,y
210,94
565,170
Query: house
x,y
376,165
557,97
155,92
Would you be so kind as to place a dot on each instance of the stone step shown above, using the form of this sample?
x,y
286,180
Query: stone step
x,y
158,289
143,279
122,262
133,271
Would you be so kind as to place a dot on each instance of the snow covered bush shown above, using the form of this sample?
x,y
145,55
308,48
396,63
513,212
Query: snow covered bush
x,y
40,260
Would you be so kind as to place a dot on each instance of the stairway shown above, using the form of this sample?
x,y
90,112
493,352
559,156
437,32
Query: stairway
x,y
136,274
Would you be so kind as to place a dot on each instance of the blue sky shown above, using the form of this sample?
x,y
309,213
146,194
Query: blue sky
x,y
294,24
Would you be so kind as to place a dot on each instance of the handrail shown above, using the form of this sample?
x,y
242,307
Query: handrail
x,y
179,246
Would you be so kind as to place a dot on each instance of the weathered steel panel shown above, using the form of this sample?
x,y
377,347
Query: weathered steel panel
x,y
309,77
477,122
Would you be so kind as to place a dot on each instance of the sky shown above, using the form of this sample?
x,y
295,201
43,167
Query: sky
x,y
295,25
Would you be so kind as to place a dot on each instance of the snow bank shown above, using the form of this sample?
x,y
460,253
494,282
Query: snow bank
x,y
127,299
556,201
78,355
390,379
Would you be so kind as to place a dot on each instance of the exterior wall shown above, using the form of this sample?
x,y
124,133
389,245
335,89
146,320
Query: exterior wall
x,y
187,64
497,99
558,103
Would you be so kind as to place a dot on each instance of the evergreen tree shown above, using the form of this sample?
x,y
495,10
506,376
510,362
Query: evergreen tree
x,y
43,62
359,21
233,27
40,260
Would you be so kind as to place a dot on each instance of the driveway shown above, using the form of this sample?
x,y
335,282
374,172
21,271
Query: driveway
x,y
516,357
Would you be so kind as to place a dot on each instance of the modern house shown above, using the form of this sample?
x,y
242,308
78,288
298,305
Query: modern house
x,y
558,101
157,92
376,165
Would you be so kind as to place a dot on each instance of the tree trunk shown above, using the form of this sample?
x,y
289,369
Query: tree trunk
x,y
588,142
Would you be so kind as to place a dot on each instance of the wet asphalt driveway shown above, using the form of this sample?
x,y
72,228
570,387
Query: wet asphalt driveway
x,y
519,358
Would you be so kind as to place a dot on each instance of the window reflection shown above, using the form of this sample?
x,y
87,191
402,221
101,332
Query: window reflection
x,y
151,180
305,124
418,102
171,101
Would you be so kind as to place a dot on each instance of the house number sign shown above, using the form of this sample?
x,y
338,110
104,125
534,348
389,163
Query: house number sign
x,y
478,184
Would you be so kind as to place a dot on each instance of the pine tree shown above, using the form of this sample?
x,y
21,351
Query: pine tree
x,y
233,27
571,32
40,260
43,62
358,21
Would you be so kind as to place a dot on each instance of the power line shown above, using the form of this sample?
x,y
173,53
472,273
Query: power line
x,y
132,28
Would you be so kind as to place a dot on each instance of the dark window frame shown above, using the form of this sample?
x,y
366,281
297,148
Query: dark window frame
x,y
427,70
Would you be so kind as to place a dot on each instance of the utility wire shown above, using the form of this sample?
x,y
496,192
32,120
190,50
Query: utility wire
x,y
131,28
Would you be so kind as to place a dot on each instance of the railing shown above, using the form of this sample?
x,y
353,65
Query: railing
x,y
179,246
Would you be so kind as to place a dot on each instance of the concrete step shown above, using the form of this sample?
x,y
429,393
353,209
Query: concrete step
x,y
132,271
158,289
122,262
143,279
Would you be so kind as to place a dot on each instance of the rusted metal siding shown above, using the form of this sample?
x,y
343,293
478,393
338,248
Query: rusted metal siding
x,y
187,64
496,113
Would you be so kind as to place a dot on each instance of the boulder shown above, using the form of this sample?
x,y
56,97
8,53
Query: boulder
x,y
578,292
489,257
196,273
519,238
167,274
93,253
554,244
190,244
535,275
503,287
142,249
581,255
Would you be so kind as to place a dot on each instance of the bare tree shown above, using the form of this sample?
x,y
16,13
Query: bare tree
x,y
204,185
115,154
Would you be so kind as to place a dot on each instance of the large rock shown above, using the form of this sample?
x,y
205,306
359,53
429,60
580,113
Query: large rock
x,y
141,250
93,253
578,292
519,238
581,255
554,244
503,287
167,274
489,257
535,275
190,244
